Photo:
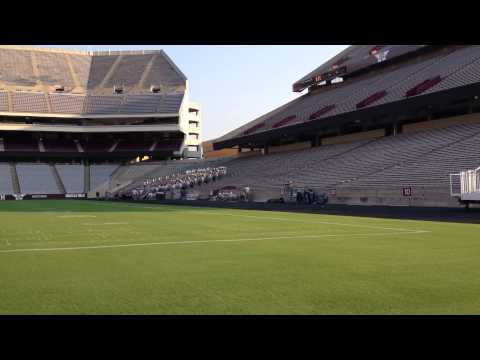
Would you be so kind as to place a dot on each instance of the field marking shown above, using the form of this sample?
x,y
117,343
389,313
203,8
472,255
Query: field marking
x,y
76,216
138,206
106,223
266,217
311,222
209,241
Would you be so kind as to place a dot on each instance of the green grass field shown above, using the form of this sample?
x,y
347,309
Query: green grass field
x,y
79,257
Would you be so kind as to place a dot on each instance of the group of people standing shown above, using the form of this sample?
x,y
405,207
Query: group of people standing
x,y
177,183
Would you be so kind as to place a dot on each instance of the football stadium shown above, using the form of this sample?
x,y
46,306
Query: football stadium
x,y
360,196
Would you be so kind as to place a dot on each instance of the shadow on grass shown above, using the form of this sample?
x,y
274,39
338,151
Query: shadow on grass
x,y
454,215
88,206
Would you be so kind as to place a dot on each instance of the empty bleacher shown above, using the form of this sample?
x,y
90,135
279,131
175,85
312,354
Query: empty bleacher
x,y
129,71
433,168
72,177
100,65
454,66
29,102
36,179
68,82
100,174
81,67
135,104
3,101
162,72
16,67
53,69
67,103
424,158
103,104
6,186
171,103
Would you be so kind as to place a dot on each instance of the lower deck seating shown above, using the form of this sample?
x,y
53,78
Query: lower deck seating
x,y
72,178
6,186
425,158
100,174
36,179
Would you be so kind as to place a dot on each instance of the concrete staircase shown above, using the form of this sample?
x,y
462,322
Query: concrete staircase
x,y
86,178
15,181
58,180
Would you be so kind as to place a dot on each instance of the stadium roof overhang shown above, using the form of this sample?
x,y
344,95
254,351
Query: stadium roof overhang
x,y
390,113
358,64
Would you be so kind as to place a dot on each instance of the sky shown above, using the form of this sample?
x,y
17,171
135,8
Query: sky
x,y
235,84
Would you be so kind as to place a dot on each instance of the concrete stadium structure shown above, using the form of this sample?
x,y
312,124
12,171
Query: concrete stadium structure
x,y
62,106
379,125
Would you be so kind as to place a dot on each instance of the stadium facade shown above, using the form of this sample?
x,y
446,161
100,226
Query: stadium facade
x,y
108,105
62,106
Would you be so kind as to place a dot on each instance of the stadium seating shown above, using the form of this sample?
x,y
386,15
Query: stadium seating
x,y
100,65
135,104
67,103
129,173
356,57
129,71
163,73
81,67
455,67
100,174
29,102
6,186
53,69
103,104
3,101
171,103
431,169
16,67
36,179
420,159
72,177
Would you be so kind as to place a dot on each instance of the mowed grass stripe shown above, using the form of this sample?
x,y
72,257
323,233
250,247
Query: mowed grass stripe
x,y
425,268
166,242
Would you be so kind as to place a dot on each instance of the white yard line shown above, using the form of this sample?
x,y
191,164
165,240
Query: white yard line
x,y
309,222
209,241
105,223
269,218
76,216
